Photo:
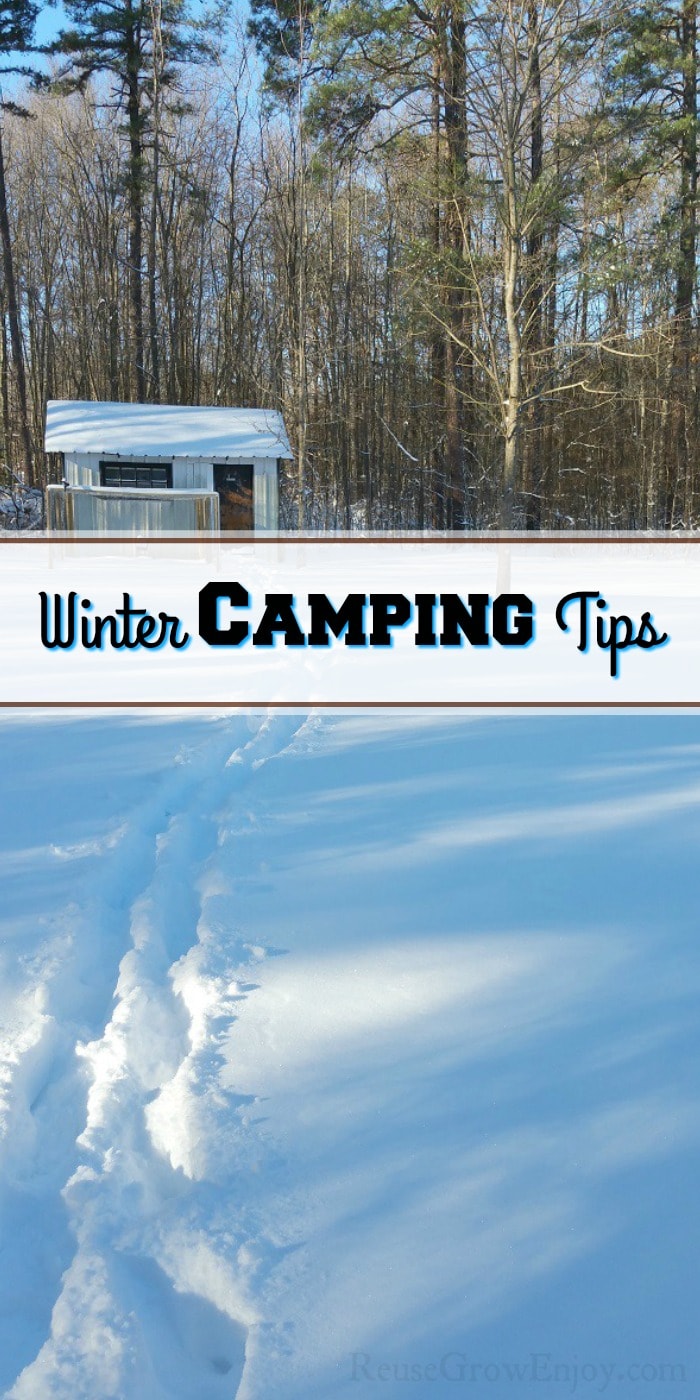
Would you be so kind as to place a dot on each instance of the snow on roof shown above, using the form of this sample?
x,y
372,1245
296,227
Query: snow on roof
x,y
164,430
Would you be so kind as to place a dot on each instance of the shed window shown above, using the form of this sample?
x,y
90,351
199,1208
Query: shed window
x,y
154,476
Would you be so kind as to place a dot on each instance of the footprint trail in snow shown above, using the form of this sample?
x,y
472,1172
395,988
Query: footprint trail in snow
x,y
126,1127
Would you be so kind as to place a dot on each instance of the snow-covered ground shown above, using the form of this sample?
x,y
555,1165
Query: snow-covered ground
x,y
348,1057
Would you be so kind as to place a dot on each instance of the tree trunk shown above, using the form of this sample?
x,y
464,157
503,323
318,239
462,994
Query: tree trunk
x,y
457,305
437,348
685,284
135,183
512,405
534,299
15,331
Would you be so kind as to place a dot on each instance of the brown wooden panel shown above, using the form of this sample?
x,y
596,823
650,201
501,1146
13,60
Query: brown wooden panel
x,y
235,488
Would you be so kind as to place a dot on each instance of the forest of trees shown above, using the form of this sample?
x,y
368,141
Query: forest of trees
x,y
453,241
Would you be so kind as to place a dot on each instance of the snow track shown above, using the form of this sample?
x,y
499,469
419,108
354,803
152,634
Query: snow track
x,y
110,1088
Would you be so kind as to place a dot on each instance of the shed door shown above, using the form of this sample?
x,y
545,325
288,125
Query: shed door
x,y
235,488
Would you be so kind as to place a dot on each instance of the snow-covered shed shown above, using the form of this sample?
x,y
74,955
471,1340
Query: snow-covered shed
x,y
145,467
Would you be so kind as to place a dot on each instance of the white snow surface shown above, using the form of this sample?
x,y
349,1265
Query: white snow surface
x,y
333,1050
164,430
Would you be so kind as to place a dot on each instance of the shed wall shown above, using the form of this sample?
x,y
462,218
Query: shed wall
x,y
189,474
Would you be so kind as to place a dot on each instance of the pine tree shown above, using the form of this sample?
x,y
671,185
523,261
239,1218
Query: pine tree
x,y
653,79
283,32
358,62
141,45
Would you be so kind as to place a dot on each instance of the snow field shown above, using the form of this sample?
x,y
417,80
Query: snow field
x,y
333,1048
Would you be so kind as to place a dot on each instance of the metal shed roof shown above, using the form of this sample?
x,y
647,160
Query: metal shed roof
x,y
164,430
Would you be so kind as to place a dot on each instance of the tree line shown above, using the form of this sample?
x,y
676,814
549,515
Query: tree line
x,y
454,243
